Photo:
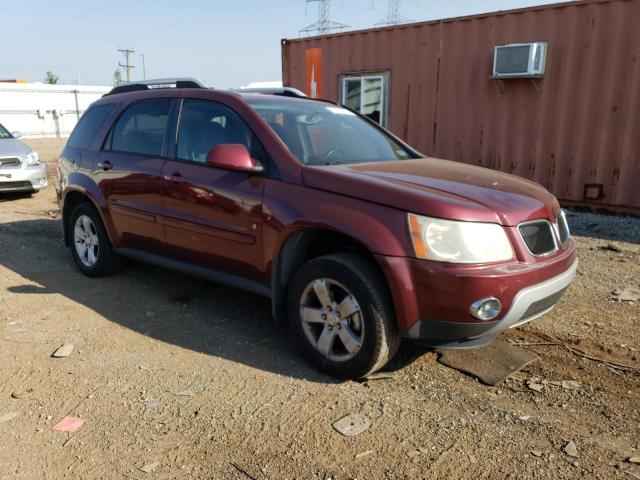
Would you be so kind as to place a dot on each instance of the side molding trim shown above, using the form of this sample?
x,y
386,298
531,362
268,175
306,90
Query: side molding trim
x,y
201,272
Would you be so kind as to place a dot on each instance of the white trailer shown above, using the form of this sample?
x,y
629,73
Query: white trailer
x,y
39,110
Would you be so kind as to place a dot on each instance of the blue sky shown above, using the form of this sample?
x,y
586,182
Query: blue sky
x,y
226,43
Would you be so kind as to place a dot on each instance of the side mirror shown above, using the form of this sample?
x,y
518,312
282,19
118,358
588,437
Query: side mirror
x,y
16,134
232,157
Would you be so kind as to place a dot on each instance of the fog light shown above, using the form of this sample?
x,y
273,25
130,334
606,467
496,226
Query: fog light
x,y
42,181
486,308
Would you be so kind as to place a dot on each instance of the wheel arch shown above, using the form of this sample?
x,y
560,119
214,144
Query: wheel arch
x,y
305,244
73,197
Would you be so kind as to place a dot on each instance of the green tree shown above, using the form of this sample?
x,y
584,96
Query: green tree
x,y
51,78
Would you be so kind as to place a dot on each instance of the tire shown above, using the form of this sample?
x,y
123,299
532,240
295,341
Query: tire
x,y
354,285
98,259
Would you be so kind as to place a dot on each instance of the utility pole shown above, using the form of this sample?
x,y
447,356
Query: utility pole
x,y
144,69
324,25
127,66
393,15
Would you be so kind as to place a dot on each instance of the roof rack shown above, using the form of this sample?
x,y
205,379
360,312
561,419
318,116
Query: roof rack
x,y
157,83
281,91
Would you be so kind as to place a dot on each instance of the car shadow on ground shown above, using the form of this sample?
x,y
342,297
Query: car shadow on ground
x,y
171,307
12,196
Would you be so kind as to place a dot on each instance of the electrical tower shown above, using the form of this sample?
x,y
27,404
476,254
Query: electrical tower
x,y
324,25
393,16
127,66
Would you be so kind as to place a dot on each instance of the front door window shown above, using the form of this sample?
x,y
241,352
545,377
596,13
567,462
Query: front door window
x,y
204,125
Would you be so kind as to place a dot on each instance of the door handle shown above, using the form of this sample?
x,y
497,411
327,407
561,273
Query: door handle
x,y
174,178
106,165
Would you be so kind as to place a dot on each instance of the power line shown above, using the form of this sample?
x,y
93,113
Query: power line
x,y
127,66
393,14
324,24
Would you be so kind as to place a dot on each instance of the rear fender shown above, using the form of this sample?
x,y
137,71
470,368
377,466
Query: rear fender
x,y
77,182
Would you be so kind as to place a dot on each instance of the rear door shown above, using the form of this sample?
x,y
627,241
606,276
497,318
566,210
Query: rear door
x,y
213,217
129,172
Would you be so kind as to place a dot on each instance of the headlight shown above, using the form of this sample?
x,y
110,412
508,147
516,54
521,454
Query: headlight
x,y
458,242
32,159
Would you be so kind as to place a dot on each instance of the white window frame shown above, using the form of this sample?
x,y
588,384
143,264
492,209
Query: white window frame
x,y
362,78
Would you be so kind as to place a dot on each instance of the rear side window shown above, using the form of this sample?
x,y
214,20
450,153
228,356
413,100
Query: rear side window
x,y
88,126
142,128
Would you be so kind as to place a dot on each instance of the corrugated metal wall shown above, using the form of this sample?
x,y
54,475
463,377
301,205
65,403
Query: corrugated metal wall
x,y
581,126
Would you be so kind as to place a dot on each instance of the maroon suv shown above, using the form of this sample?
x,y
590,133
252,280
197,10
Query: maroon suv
x,y
357,238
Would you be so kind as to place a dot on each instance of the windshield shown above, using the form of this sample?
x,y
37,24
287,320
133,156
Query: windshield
x,y
4,133
325,134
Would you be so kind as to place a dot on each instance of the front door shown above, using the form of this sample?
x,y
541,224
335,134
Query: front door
x,y
213,217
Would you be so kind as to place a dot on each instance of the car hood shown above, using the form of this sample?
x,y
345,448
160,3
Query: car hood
x,y
10,147
439,188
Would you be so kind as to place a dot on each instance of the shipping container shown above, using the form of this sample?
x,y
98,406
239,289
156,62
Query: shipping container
x,y
575,130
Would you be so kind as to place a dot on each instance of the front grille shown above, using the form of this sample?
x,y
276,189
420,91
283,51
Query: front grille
x,y
541,305
563,228
538,235
14,185
9,162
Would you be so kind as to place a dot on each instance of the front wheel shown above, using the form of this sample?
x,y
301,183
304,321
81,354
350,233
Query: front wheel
x,y
341,315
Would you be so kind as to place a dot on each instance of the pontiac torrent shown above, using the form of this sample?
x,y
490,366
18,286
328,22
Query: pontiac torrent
x,y
358,239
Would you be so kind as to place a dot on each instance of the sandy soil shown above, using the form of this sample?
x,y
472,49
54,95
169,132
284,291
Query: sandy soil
x,y
196,377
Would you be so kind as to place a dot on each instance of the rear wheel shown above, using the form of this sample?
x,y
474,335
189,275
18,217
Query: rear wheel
x,y
341,315
90,244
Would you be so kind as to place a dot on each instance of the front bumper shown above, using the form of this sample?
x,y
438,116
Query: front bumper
x,y
23,179
527,305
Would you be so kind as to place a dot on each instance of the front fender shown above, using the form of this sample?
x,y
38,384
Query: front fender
x,y
290,208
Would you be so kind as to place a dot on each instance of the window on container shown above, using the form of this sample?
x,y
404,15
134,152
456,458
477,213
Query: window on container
x,y
366,95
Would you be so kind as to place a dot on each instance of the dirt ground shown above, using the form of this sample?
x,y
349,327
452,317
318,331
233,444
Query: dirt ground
x,y
193,380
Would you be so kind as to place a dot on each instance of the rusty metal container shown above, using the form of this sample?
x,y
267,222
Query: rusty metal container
x,y
576,131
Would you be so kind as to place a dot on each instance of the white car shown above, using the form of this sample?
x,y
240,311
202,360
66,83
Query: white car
x,y
20,166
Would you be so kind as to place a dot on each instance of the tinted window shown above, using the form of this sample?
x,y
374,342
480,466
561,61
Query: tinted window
x,y
4,133
142,128
323,134
203,125
88,126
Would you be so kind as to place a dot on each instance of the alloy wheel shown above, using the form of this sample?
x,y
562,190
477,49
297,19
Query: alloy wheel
x,y
86,242
332,319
